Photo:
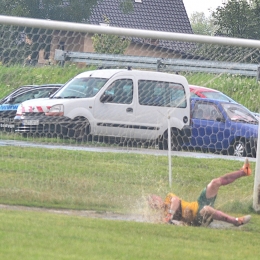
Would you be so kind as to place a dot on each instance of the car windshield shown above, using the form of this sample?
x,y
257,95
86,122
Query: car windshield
x,y
81,88
239,114
217,96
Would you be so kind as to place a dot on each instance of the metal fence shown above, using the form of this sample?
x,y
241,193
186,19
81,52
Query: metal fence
x,y
158,64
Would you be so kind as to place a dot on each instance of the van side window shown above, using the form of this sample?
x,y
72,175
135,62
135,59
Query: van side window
x,y
161,93
120,91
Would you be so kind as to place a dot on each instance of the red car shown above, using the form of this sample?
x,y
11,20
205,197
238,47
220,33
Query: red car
x,y
203,92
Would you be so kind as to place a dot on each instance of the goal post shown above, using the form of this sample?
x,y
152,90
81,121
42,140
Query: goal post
x,y
256,192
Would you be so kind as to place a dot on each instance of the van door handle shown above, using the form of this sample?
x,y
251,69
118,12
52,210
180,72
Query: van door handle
x,y
129,109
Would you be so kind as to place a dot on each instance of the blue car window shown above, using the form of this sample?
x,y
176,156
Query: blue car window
x,y
207,111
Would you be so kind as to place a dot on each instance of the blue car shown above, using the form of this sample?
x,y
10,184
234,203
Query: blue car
x,y
222,127
9,104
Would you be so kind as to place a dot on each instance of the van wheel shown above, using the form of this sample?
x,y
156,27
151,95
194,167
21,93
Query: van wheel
x,y
176,140
79,129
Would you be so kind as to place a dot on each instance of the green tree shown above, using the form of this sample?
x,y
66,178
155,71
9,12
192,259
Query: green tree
x,y
14,48
70,10
14,8
110,44
236,18
256,12
201,24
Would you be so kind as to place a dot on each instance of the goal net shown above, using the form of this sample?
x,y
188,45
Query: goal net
x,y
55,150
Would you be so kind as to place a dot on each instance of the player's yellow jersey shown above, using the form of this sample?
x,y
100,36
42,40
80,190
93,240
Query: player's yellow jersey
x,y
192,206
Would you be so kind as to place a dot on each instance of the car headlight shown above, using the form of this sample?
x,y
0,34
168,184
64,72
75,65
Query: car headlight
x,y
56,110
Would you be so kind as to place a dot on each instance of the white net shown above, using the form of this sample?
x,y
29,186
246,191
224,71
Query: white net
x,y
112,124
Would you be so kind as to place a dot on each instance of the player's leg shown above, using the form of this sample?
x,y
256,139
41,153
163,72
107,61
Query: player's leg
x,y
208,211
215,184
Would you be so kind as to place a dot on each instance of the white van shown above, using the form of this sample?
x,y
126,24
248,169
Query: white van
x,y
120,103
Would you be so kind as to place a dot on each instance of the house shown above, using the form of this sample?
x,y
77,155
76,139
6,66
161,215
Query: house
x,y
156,15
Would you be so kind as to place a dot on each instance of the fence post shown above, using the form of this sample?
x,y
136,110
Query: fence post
x,y
258,73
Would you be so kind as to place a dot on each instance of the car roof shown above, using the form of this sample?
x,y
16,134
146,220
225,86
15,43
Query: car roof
x,y
200,88
212,100
50,85
108,73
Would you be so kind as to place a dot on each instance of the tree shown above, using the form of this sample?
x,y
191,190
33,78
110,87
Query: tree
x,y
110,44
16,49
256,11
201,24
69,10
236,18
14,8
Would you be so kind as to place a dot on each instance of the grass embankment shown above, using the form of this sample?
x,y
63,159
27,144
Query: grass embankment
x,y
244,90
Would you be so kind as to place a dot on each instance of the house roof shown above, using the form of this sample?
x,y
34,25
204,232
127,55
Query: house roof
x,y
157,15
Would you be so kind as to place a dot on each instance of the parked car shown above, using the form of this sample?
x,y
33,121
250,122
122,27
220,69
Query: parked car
x,y
203,92
126,103
10,103
16,91
222,126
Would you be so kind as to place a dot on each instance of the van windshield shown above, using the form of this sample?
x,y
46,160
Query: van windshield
x,y
81,88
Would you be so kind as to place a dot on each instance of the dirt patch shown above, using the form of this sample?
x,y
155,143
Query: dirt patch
x,y
105,215
82,213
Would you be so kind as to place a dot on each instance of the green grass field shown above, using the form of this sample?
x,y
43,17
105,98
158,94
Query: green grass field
x,y
119,183
33,235
115,182
109,181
